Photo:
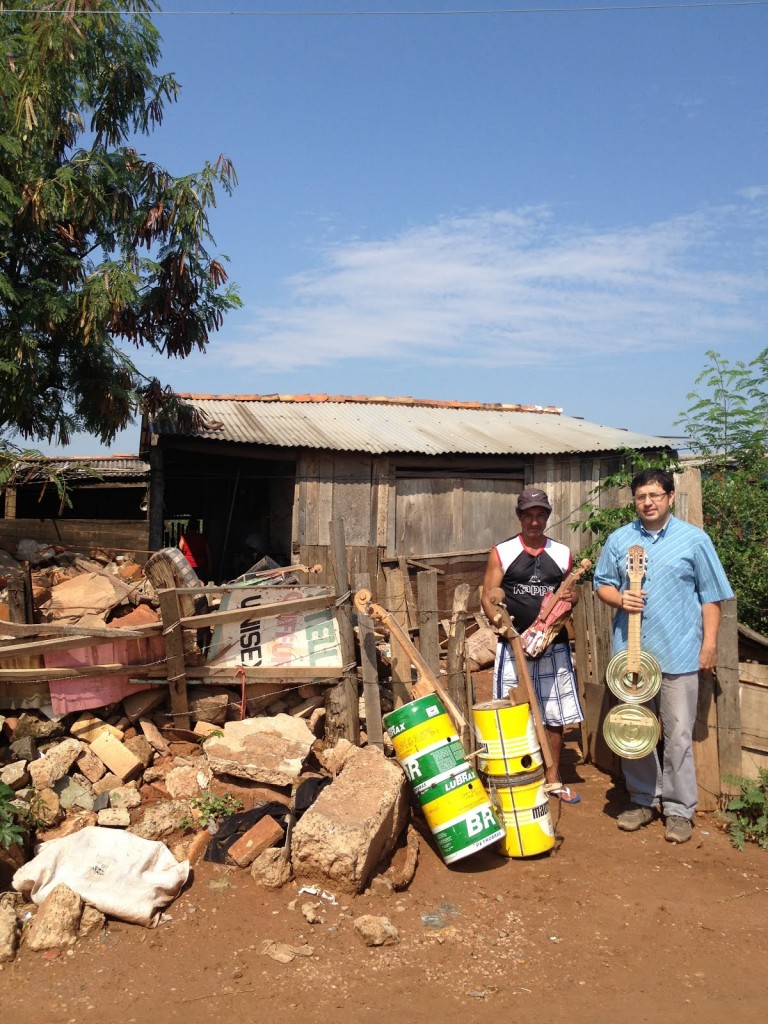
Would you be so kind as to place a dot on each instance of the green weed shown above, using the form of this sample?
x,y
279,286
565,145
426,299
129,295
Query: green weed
x,y
746,815
10,830
211,807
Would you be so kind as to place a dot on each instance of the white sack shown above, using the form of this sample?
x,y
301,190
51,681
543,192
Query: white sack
x,y
117,872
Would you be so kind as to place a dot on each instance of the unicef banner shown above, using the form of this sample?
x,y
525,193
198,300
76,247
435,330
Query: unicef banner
x,y
287,640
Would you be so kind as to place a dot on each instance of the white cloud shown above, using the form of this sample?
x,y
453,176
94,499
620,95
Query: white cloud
x,y
518,285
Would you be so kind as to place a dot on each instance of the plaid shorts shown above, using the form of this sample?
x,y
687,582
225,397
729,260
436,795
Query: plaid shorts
x,y
553,682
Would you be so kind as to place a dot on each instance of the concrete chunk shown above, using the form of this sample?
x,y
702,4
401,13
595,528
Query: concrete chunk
x,y
57,922
353,823
270,750
54,764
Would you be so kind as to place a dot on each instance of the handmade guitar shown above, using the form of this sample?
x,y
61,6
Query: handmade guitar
x,y
634,675
552,615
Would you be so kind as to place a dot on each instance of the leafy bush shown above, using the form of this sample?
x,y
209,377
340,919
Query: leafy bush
x,y
10,830
747,814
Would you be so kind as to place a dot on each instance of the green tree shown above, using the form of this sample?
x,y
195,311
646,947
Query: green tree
x,y
727,422
728,428
102,251
600,515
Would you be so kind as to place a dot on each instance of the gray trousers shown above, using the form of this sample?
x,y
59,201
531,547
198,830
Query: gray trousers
x,y
673,784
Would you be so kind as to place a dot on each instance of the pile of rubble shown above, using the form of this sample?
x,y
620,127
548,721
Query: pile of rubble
x,y
90,781
262,794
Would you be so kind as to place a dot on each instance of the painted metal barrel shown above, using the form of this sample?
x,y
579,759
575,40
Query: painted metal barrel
x,y
522,807
425,742
631,730
506,738
460,815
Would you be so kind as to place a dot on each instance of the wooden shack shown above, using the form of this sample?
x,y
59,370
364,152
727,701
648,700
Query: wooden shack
x,y
107,503
423,480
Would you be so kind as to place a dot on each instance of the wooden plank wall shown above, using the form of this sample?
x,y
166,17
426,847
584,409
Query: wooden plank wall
x,y
81,534
753,685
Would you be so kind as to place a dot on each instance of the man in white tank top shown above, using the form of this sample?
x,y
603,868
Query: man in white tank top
x,y
527,567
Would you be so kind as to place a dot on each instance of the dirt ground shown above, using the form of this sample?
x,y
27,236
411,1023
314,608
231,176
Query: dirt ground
x,y
610,927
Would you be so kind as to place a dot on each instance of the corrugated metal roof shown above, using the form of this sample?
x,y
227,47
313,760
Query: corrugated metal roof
x,y
84,467
388,425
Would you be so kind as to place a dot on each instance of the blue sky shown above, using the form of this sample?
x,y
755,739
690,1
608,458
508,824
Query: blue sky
x,y
548,207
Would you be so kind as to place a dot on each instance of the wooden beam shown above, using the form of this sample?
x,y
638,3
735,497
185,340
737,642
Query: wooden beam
x,y
54,629
457,685
342,720
429,640
728,708
174,657
374,726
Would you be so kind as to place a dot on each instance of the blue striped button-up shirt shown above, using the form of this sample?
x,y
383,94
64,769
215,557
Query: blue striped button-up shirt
x,y
682,573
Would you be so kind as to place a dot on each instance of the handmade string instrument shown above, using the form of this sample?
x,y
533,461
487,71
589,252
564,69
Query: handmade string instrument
x,y
552,615
503,625
634,676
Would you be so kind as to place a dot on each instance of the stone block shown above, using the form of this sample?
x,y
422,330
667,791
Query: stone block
x,y
116,756
54,765
105,784
24,749
140,747
185,782
57,922
88,728
15,775
264,834
353,823
9,933
271,750
271,869
124,796
89,765
154,736
114,817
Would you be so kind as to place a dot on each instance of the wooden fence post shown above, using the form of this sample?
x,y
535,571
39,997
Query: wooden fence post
x,y
170,613
728,698
429,640
400,662
371,693
457,676
342,719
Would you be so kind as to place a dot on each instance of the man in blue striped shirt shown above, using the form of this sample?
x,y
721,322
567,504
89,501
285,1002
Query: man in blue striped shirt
x,y
680,601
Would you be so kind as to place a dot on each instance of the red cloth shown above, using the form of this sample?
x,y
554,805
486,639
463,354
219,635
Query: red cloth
x,y
195,547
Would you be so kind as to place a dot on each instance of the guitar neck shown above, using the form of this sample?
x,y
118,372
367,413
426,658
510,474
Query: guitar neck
x,y
634,625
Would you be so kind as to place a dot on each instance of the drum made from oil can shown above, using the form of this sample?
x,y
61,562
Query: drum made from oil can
x,y
506,738
425,742
460,815
631,730
628,688
522,806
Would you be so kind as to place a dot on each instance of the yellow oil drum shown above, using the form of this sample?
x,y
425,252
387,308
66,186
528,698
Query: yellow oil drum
x,y
522,807
506,738
425,741
460,815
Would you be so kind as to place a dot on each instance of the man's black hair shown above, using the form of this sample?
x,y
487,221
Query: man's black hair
x,y
654,476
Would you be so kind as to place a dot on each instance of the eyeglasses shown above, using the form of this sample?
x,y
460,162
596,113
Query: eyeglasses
x,y
640,499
